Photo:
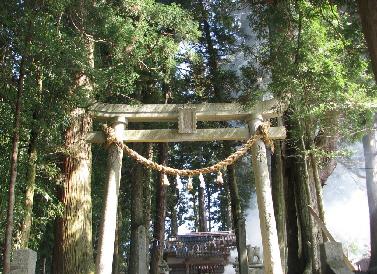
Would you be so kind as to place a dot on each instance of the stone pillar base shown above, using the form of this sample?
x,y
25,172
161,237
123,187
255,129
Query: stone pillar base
x,y
23,261
332,259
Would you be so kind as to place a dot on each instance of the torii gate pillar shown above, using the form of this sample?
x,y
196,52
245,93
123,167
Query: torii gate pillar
x,y
104,260
271,251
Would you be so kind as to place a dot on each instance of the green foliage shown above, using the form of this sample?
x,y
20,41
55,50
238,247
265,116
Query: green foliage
x,y
136,46
314,54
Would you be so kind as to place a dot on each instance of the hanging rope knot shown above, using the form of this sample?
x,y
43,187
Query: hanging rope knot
x,y
264,132
110,137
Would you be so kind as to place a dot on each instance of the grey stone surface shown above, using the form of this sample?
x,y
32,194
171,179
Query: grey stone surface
x,y
254,255
256,271
187,120
332,258
23,261
142,252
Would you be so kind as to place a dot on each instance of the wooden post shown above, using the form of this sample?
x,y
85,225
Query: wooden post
x,y
271,252
104,258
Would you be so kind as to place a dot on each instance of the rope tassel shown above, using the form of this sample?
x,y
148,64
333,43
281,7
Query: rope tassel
x,y
189,184
165,180
179,182
202,182
219,178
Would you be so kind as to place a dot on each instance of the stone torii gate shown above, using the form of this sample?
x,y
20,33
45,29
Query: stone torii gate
x,y
187,115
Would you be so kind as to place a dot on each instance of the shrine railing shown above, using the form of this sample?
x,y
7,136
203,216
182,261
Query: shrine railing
x,y
201,244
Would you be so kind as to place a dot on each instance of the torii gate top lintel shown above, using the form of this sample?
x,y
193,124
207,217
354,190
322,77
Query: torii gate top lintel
x,y
187,115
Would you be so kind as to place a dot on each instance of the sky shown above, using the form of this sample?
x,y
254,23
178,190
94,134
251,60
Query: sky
x,y
346,204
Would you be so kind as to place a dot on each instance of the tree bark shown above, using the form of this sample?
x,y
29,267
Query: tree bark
x,y
30,186
318,186
13,169
202,210
195,211
209,207
302,194
147,190
368,15
74,237
31,170
299,230
238,221
278,197
159,222
293,262
212,54
148,196
370,154
172,208
74,250
226,208
174,223
138,252
315,193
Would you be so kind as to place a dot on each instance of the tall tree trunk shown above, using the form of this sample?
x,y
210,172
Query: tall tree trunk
x,y
30,186
138,256
212,53
209,206
370,154
302,194
43,265
282,183
13,169
174,222
147,190
368,15
159,223
148,197
303,235
317,203
172,207
278,196
31,170
74,251
318,186
195,211
202,210
293,262
225,207
238,221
